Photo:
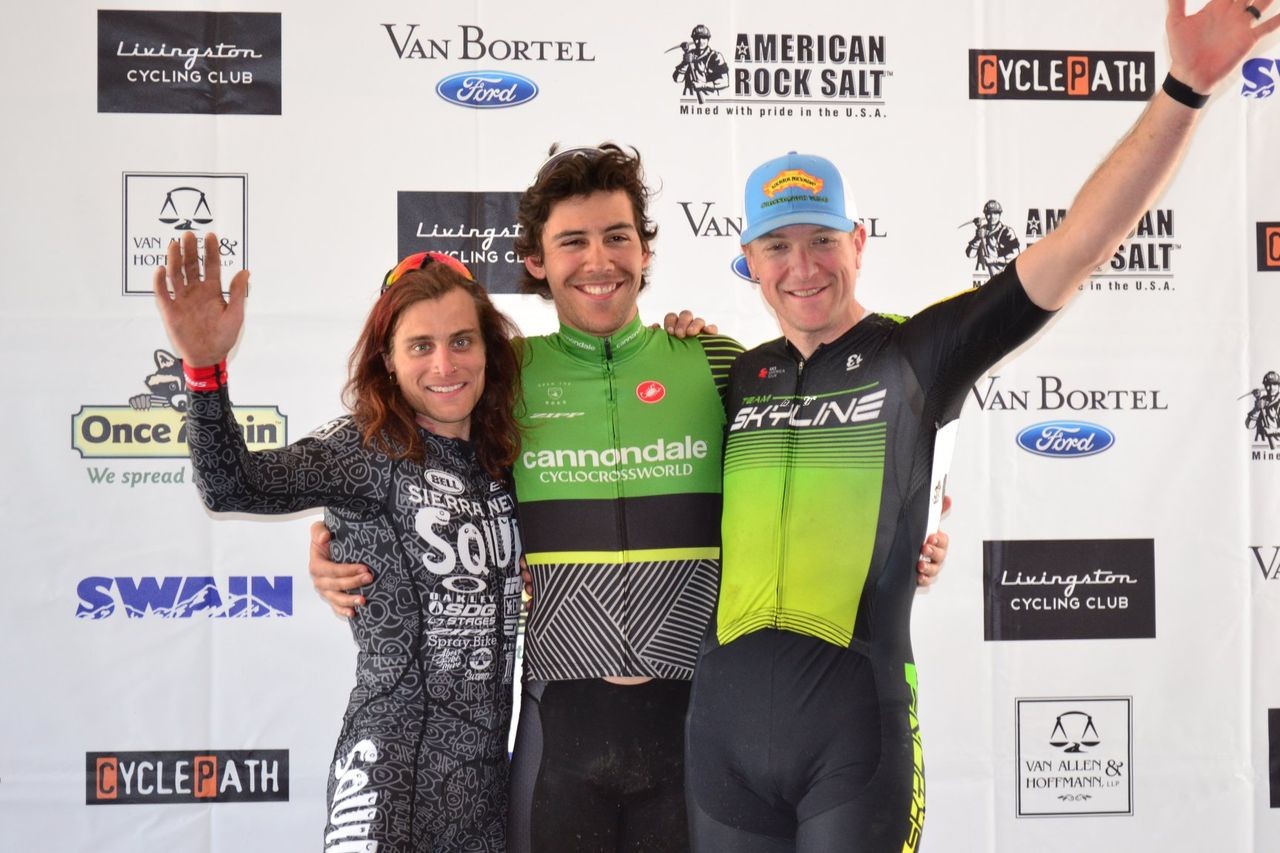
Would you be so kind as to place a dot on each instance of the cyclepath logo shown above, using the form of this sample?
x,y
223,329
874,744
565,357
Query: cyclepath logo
x,y
1269,247
1103,75
189,62
159,206
176,777
245,597
1074,757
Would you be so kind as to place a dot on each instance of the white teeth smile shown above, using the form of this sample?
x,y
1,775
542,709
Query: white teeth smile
x,y
600,289
444,389
804,293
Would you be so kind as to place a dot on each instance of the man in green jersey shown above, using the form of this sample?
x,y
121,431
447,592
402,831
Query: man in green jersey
x,y
618,482
803,734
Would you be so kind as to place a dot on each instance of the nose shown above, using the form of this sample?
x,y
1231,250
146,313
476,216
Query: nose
x,y
596,257
442,362
802,265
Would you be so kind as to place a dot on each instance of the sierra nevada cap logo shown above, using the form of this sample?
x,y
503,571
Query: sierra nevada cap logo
x,y
796,189
793,178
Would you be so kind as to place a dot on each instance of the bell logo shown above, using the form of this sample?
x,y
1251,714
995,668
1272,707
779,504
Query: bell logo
x,y
650,391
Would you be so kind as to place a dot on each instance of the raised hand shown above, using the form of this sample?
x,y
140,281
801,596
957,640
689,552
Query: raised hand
x,y
1207,46
202,326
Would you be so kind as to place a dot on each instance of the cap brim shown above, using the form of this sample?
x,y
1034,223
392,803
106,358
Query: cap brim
x,y
799,217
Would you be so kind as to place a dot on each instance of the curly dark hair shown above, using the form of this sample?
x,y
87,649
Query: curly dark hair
x,y
580,172
385,418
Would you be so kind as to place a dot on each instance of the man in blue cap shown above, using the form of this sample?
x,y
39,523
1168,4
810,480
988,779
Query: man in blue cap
x,y
802,728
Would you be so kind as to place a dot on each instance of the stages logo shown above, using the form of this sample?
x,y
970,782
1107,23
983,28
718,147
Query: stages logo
x,y
181,598
1263,419
189,62
477,228
1143,263
1260,76
1069,589
1075,757
159,206
487,90
186,776
782,75
153,425
1049,75
1269,247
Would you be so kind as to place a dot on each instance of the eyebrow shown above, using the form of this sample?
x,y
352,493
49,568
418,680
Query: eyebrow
x,y
575,232
450,336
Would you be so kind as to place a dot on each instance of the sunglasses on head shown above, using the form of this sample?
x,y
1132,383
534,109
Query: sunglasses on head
x,y
590,152
421,260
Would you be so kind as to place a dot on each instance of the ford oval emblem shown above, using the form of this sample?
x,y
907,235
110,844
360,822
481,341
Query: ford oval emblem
x,y
740,268
1066,438
487,90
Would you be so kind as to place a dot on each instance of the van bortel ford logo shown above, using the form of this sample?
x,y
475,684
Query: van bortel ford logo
x,y
487,90
1065,438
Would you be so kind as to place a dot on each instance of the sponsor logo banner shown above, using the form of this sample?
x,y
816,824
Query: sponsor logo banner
x,y
1075,757
1273,759
159,206
477,228
1057,75
1269,247
189,62
1260,76
1263,418
1065,439
780,74
1069,589
187,776
487,90
241,597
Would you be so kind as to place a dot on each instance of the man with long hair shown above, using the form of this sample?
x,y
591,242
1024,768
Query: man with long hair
x,y
415,484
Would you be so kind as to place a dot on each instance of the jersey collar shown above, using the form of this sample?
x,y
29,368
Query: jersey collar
x,y
620,344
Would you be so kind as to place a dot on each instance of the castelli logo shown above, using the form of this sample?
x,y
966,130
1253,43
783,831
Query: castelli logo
x,y
650,391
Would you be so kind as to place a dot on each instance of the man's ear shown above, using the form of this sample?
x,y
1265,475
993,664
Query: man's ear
x,y
535,267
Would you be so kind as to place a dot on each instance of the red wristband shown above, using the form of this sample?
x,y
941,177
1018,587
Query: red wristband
x,y
209,378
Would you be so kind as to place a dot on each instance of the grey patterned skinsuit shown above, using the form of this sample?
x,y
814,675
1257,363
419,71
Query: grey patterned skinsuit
x,y
421,763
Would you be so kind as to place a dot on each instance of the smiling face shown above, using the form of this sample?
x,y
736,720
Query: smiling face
x,y
437,357
593,260
807,275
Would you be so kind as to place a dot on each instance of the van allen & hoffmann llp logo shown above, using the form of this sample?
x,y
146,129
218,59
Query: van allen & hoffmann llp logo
x,y
1263,419
1074,757
153,425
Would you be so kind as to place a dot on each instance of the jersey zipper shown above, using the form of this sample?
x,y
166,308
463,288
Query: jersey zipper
x,y
787,467
615,440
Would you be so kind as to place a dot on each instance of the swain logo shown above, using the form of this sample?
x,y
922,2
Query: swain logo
x,y
154,426
1047,75
1260,76
1066,439
650,392
186,776
253,597
487,90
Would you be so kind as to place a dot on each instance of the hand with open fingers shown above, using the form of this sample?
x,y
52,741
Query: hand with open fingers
x,y
334,581
1207,46
934,552
202,326
685,325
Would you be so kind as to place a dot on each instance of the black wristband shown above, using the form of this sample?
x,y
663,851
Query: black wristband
x,y
1182,93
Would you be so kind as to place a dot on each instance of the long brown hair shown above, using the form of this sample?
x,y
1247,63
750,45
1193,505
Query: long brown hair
x,y
385,418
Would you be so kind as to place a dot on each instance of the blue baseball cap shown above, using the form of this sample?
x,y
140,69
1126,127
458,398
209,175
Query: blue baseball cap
x,y
796,189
